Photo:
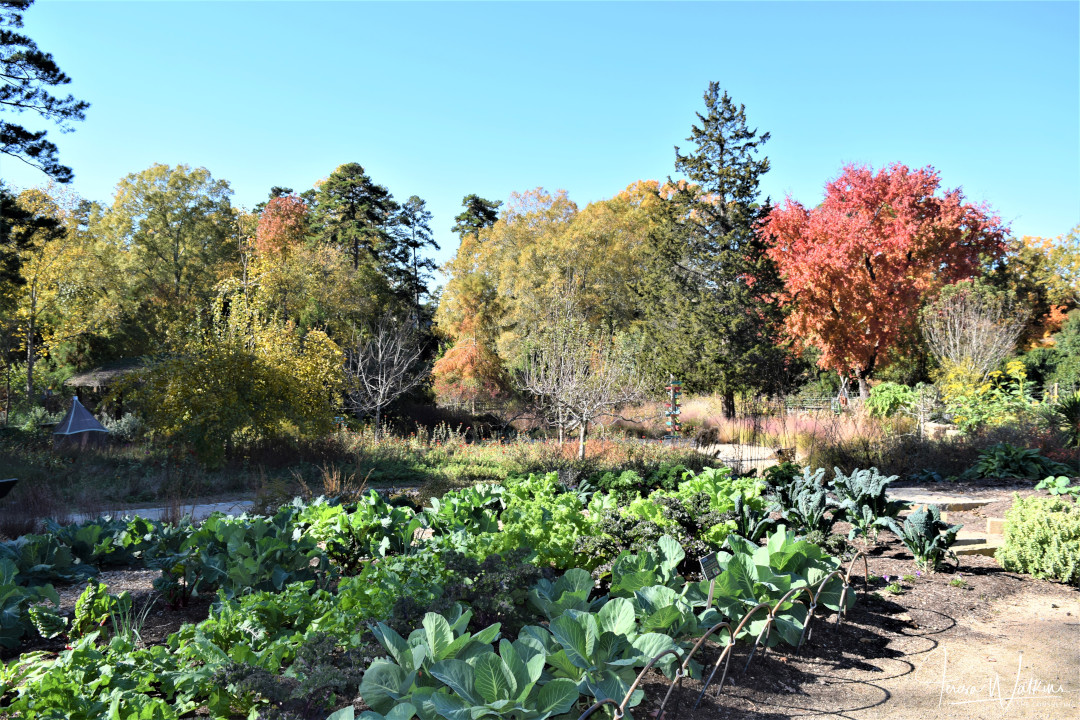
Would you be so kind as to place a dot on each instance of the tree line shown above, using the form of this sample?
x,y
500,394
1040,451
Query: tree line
x,y
572,310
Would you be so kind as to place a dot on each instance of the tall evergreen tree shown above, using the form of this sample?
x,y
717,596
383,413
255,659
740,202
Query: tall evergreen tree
x,y
707,284
27,73
478,214
414,222
357,215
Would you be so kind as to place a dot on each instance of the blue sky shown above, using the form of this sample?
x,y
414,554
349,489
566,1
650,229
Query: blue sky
x,y
445,99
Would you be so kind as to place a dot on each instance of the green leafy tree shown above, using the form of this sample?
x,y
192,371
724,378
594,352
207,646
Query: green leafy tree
x,y
176,228
241,377
707,282
18,228
28,74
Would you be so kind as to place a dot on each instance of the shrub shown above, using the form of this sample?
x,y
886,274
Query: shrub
x,y
1042,538
889,398
128,428
1005,460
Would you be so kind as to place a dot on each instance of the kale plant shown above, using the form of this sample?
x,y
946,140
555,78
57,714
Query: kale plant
x,y
927,537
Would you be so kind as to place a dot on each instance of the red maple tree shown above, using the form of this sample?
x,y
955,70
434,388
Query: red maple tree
x,y
857,267
282,224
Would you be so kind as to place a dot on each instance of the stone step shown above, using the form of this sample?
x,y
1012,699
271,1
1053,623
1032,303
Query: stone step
x,y
945,502
970,537
970,542
987,548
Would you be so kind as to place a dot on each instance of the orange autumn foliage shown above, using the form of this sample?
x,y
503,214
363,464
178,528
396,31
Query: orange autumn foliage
x,y
857,267
283,224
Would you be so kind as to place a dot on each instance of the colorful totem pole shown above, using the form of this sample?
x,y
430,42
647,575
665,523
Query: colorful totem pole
x,y
674,396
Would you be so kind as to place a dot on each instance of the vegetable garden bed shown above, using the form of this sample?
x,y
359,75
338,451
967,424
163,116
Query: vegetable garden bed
x,y
322,600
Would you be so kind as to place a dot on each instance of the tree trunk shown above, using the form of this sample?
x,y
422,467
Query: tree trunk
x,y
864,386
581,440
727,405
378,417
30,359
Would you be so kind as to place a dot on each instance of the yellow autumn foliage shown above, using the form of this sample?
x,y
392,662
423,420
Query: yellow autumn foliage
x,y
242,378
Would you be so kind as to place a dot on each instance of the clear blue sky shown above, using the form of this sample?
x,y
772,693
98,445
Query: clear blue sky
x,y
445,99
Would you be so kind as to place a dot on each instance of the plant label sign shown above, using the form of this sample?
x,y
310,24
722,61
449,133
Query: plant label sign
x,y
710,566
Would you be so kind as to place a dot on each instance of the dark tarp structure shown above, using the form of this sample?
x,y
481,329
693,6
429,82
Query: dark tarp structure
x,y
78,427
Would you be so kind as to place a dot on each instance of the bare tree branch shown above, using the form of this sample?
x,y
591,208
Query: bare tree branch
x,y
383,367
577,376
974,328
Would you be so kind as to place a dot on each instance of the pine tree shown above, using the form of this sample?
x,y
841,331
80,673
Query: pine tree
x,y
414,222
478,214
707,282
27,73
356,214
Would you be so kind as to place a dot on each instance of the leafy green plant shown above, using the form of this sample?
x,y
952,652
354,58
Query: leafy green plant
x,y
238,554
1066,413
1059,485
540,516
47,621
373,528
888,398
864,502
15,601
753,574
659,566
927,537
321,676
810,508
570,592
94,607
122,542
751,520
387,682
495,590
474,508
507,685
1042,538
1007,461
40,559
